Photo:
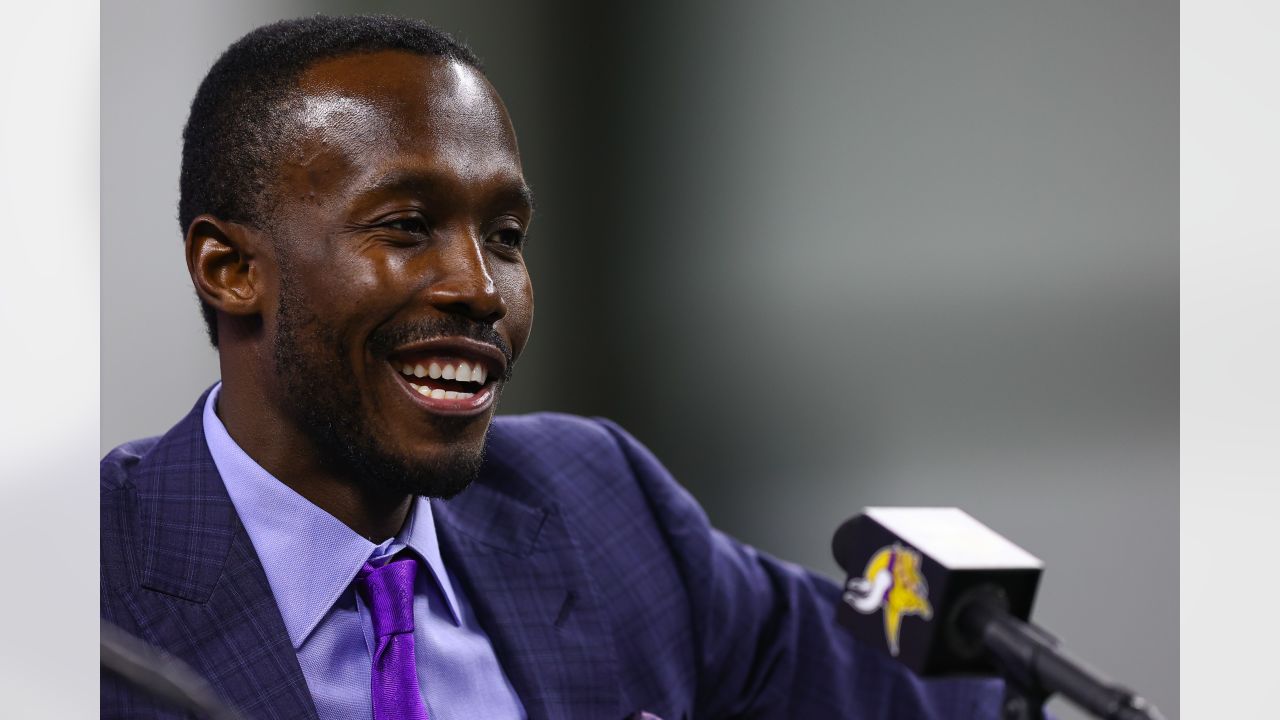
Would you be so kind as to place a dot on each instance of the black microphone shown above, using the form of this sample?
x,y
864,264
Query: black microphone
x,y
944,595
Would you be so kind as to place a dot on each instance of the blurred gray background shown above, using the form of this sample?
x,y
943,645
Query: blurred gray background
x,y
817,256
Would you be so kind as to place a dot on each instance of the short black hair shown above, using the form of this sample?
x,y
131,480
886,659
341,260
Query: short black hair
x,y
234,132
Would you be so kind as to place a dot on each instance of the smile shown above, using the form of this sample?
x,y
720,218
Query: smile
x,y
444,379
450,378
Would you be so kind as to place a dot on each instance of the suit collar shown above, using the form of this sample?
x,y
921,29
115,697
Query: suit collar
x,y
187,519
194,548
513,552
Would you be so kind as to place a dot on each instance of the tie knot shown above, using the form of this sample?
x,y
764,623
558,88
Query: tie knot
x,y
388,591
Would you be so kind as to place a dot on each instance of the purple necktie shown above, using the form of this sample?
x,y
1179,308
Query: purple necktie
x,y
388,592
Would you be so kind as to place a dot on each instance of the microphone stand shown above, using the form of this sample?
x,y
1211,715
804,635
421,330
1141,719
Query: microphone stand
x,y
1035,667
159,674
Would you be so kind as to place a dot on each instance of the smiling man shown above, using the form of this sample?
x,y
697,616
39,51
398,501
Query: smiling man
x,y
341,528
369,305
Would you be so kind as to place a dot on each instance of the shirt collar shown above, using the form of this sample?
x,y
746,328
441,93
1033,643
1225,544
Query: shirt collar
x,y
310,557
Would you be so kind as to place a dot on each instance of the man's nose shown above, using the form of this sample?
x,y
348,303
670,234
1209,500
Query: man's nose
x,y
462,283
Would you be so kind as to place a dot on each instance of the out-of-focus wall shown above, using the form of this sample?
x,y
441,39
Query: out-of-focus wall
x,y
817,256
155,357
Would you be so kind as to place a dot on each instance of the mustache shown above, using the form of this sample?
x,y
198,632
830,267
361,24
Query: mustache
x,y
388,338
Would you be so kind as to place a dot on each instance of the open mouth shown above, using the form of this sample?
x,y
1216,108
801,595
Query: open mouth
x,y
450,377
445,378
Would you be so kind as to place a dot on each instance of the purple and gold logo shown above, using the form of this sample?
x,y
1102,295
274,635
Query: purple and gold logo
x,y
892,582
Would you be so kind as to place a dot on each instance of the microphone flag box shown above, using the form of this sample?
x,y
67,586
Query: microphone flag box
x,y
910,571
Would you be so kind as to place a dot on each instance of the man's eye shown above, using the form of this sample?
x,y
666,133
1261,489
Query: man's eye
x,y
510,237
408,224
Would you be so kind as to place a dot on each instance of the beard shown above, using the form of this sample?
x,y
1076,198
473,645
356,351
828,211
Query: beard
x,y
332,415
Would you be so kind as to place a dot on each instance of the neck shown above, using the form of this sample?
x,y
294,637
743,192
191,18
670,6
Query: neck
x,y
284,451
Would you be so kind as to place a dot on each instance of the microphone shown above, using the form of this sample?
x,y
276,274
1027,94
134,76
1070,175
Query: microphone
x,y
944,594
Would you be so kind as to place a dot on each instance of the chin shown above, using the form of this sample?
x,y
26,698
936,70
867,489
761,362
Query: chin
x,y
437,475
439,466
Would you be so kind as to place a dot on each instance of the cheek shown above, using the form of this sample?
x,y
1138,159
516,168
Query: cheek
x,y
352,293
517,294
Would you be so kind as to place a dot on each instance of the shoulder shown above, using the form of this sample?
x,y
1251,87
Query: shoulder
x,y
118,522
118,528
141,483
585,472
117,466
581,458
556,432
557,438
558,451
174,452
602,480
565,457
612,492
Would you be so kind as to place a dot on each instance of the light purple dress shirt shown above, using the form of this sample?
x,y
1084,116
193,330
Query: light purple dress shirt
x,y
311,559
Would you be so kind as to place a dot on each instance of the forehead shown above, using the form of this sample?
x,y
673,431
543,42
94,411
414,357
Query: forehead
x,y
377,113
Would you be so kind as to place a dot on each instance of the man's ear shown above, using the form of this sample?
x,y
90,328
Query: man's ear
x,y
226,264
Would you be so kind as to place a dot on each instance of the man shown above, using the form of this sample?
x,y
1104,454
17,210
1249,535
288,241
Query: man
x,y
340,529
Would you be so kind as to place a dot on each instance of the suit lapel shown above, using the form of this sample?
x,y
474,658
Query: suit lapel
x,y
207,599
210,603
524,576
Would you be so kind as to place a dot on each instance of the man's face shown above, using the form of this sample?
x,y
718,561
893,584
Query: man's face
x,y
402,294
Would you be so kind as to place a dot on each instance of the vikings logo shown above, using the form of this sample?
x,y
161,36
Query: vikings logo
x,y
892,582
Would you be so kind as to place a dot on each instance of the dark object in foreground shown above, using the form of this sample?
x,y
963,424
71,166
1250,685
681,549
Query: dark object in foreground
x,y
945,595
159,674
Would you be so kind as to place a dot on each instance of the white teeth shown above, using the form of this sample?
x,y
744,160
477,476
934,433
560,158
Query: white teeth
x,y
423,390
461,371
437,394
464,396
450,394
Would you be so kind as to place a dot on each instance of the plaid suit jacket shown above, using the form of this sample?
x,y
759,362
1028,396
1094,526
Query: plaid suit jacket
x,y
597,577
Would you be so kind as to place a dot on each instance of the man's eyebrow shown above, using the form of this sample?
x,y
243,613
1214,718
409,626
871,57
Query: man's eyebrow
x,y
509,192
520,194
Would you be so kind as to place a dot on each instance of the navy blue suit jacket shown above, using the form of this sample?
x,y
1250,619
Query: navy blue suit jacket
x,y
597,577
